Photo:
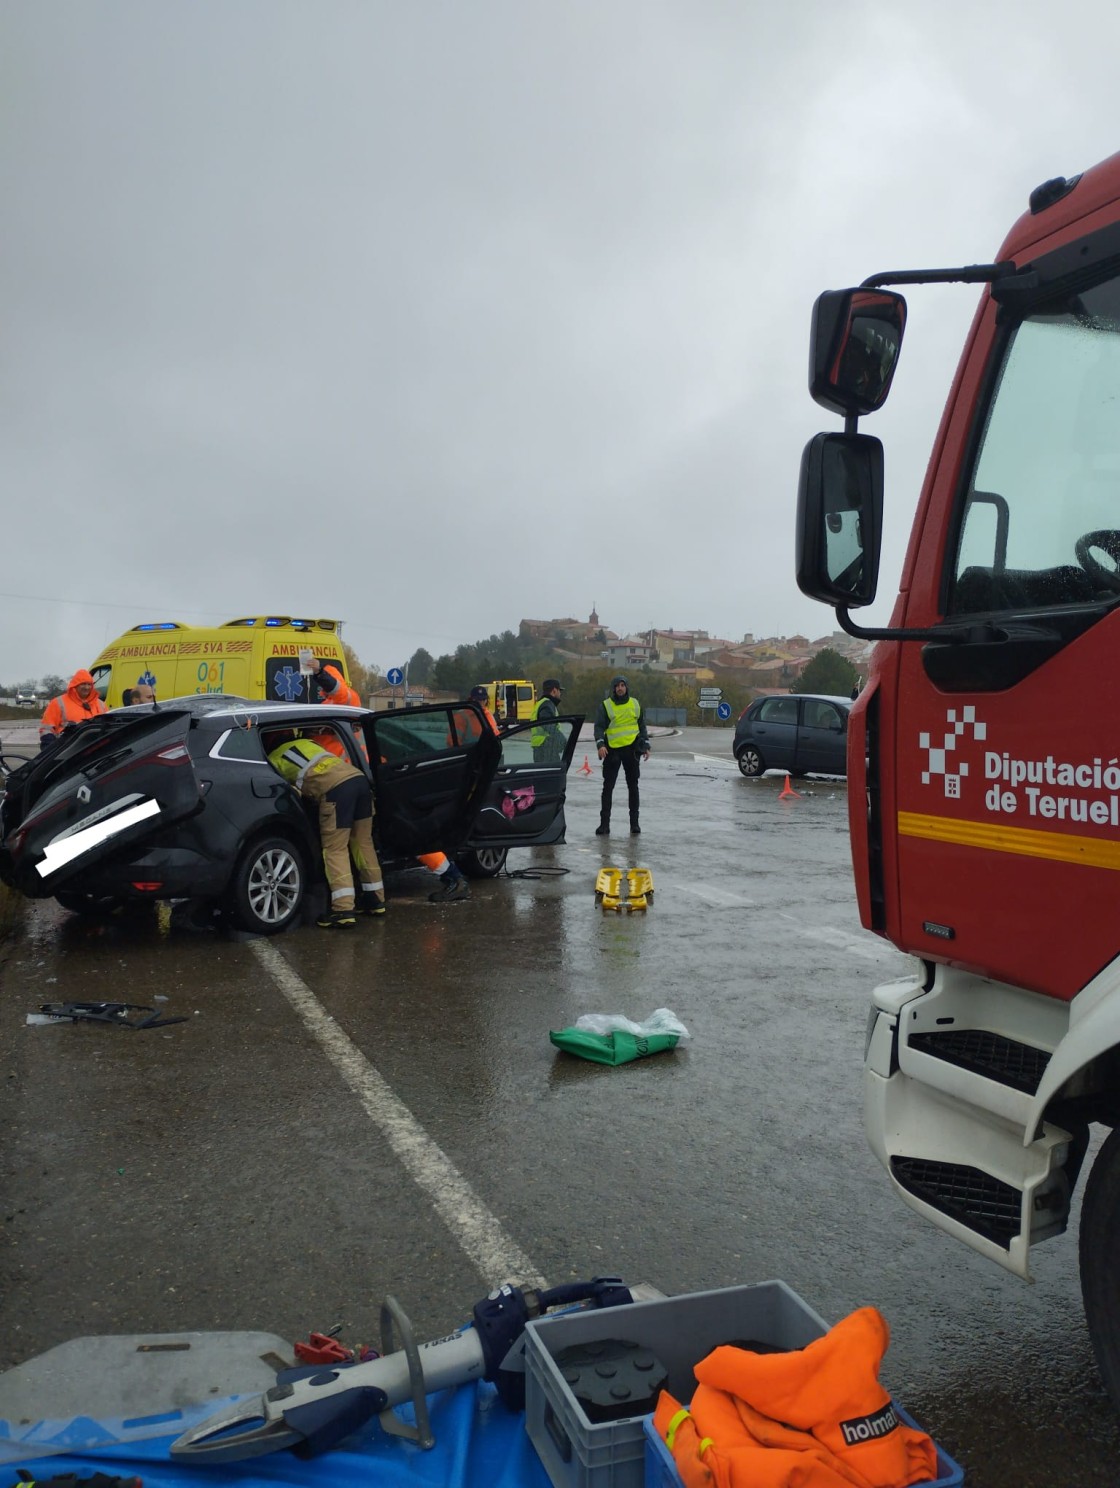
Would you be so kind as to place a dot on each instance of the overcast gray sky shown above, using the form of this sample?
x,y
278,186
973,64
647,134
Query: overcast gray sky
x,y
433,314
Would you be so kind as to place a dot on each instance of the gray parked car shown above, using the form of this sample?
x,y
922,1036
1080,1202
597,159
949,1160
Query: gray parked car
x,y
796,732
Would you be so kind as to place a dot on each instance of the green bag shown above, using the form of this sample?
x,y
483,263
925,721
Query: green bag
x,y
612,1048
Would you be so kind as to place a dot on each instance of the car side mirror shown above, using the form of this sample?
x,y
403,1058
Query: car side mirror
x,y
854,344
840,518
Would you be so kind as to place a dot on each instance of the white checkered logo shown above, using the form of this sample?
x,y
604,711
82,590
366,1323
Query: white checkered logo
x,y
941,759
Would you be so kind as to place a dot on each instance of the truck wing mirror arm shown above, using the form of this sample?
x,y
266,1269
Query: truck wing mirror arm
x,y
959,635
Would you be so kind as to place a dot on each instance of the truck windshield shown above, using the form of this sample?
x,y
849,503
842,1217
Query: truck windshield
x,y
1041,523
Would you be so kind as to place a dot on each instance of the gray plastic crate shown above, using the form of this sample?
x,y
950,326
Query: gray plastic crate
x,y
681,1331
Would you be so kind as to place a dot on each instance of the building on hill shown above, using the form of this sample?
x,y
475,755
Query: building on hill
x,y
632,653
567,631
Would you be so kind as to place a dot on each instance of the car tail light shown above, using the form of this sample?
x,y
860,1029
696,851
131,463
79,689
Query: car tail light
x,y
174,754
147,888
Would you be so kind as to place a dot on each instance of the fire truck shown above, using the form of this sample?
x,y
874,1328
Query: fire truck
x,y
984,751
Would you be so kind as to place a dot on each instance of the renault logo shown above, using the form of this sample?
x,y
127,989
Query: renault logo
x,y
83,793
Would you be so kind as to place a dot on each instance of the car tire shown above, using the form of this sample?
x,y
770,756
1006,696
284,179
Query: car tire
x,y
483,862
96,906
268,885
750,762
1098,1242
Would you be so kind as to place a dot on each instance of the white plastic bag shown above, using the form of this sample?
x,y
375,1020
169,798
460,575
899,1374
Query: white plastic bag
x,y
660,1021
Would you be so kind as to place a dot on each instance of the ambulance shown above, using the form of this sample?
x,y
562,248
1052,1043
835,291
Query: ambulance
x,y
511,701
254,657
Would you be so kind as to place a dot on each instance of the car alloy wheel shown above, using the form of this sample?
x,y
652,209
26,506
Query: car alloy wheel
x,y
483,862
268,886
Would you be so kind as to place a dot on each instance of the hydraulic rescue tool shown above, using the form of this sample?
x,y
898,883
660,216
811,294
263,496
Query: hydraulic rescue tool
x,y
313,1408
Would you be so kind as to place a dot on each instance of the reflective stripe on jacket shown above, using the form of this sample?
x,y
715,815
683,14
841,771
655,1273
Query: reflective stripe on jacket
x,y
339,692
817,1417
69,708
299,758
623,726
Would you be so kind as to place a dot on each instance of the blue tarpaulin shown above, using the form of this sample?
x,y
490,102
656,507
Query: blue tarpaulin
x,y
479,1444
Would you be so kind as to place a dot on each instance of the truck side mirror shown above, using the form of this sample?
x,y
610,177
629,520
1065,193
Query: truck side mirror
x,y
840,518
853,348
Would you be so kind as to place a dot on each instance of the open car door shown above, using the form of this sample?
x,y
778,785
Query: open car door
x,y
431,769
106,784
524,803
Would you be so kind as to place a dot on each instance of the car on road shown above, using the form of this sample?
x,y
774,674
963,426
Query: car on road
x,y
801,733
178,800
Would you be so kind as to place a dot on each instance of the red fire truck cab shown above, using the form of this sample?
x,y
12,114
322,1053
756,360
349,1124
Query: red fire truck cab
x,y
984,752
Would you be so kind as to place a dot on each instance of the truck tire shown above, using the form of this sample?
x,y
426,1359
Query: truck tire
x,y
268,885
1098,1248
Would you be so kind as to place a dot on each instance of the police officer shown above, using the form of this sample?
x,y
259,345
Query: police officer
x,y
545,737
622,742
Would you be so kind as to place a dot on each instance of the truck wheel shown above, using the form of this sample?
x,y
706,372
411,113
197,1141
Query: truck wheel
x,y
483,862
751,762
1098,1245
267,887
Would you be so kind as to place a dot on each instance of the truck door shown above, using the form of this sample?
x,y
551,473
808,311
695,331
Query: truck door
x,y
1003,772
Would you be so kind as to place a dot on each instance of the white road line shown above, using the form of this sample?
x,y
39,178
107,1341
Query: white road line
x,y
871,948
478,1232
718,759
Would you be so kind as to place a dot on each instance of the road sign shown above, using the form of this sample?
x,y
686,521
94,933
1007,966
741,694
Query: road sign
x,y
708,703
711,692
724,711
394,676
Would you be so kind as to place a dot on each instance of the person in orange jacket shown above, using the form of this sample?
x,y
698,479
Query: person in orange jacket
x,y
79,702
333,686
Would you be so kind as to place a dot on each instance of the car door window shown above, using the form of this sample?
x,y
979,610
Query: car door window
x,y
822,715
778,710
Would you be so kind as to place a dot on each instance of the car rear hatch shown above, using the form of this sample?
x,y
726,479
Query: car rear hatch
x,y
108,784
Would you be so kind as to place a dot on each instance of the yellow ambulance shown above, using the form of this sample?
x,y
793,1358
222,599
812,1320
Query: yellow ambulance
x,y
511,701
255,657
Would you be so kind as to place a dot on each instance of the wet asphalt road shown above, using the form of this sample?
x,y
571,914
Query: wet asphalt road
x,y
235,1170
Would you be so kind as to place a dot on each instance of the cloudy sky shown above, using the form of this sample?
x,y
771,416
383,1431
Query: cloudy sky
x,y
433,314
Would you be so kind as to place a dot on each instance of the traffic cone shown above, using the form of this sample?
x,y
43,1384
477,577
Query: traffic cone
x,y
788,793
585,768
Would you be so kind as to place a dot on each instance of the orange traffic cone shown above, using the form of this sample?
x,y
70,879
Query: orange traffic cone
x,y
585,768
788,793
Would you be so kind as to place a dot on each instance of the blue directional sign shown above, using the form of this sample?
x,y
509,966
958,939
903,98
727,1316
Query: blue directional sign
x,y
395,676
724,711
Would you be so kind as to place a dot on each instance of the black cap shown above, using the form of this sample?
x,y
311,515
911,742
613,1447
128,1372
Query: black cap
x,y
479,695
549,683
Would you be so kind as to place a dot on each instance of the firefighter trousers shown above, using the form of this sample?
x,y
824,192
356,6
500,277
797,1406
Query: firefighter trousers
x,y
345,800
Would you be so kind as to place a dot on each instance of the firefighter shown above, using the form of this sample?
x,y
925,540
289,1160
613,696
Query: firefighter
x,y
79,702
622,741
545,737
345,801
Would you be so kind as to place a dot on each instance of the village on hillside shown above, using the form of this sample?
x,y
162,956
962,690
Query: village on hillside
x,y
769,663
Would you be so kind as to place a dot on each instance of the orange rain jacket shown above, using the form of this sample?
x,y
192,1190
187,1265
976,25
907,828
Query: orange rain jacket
x,y
68,707
336,689
815,1417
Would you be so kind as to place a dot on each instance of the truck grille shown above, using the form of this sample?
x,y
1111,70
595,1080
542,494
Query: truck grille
x,y
988,1054
975,1199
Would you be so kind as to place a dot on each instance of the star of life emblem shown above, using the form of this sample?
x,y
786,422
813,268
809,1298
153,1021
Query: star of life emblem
x,y
287,684
941,759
